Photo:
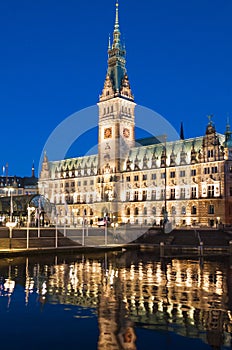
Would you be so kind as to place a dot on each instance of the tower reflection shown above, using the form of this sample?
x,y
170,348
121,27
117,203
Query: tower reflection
x,y
131,292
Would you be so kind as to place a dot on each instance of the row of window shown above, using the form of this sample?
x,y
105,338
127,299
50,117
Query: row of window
x,y
73,184
162,194
182,195
110,109
136,211
172,175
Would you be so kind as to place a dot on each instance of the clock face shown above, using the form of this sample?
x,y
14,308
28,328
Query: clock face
x,y
126,132
107,133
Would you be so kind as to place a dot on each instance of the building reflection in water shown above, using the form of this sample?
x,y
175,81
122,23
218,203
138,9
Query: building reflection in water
x,y
189,297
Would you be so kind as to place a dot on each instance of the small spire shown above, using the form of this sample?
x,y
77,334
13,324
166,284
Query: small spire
x,y
181,131
228,134
109,44
33,169
228,123
45,159
228,131
210,117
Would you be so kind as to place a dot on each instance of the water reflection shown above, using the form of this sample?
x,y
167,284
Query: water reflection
x,y
130,291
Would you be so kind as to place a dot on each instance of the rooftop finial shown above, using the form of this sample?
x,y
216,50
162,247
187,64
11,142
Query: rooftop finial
x,y
210,117
227,123
116,27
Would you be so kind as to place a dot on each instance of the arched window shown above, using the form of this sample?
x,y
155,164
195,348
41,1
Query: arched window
x,y
136,211
144,211
154,210
183,210
173,210
194,210
128,211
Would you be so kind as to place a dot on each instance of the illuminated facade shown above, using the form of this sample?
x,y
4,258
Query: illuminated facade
x,y
189,180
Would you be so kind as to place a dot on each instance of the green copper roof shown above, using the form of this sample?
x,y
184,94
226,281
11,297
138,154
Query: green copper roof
x,y
116,56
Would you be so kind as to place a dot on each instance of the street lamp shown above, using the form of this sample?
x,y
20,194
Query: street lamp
x,y
10,193
10,224
29,211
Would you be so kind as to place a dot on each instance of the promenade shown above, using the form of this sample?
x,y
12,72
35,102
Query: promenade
x,y
177,242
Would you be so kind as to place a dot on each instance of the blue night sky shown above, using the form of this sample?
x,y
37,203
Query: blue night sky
x,y
54,61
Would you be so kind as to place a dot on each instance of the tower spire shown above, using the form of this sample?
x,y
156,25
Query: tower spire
x,y
116,82
117,34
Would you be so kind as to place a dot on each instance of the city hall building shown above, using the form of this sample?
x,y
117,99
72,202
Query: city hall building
x,y
187,181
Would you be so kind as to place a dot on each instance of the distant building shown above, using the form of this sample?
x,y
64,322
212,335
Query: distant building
x,y
17,194
27,185
187,182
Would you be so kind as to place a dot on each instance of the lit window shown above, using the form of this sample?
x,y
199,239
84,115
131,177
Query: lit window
x,y
136,196
211,209
162,194
144,195
194,192
153,195
182,173
193,172
210,191
136,211
214,169
182,193
194,210
172,193
183,210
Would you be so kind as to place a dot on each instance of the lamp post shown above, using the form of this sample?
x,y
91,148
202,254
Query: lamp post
x,y
56,232
105,216
28,223
29,211
10,224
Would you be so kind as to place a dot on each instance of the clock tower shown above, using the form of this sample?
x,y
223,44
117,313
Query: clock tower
x,y
116,109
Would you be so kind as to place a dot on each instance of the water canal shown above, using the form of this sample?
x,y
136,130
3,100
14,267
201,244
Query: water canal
x,y
118,300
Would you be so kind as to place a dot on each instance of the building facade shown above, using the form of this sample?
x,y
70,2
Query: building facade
x,y
187,181
18,185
